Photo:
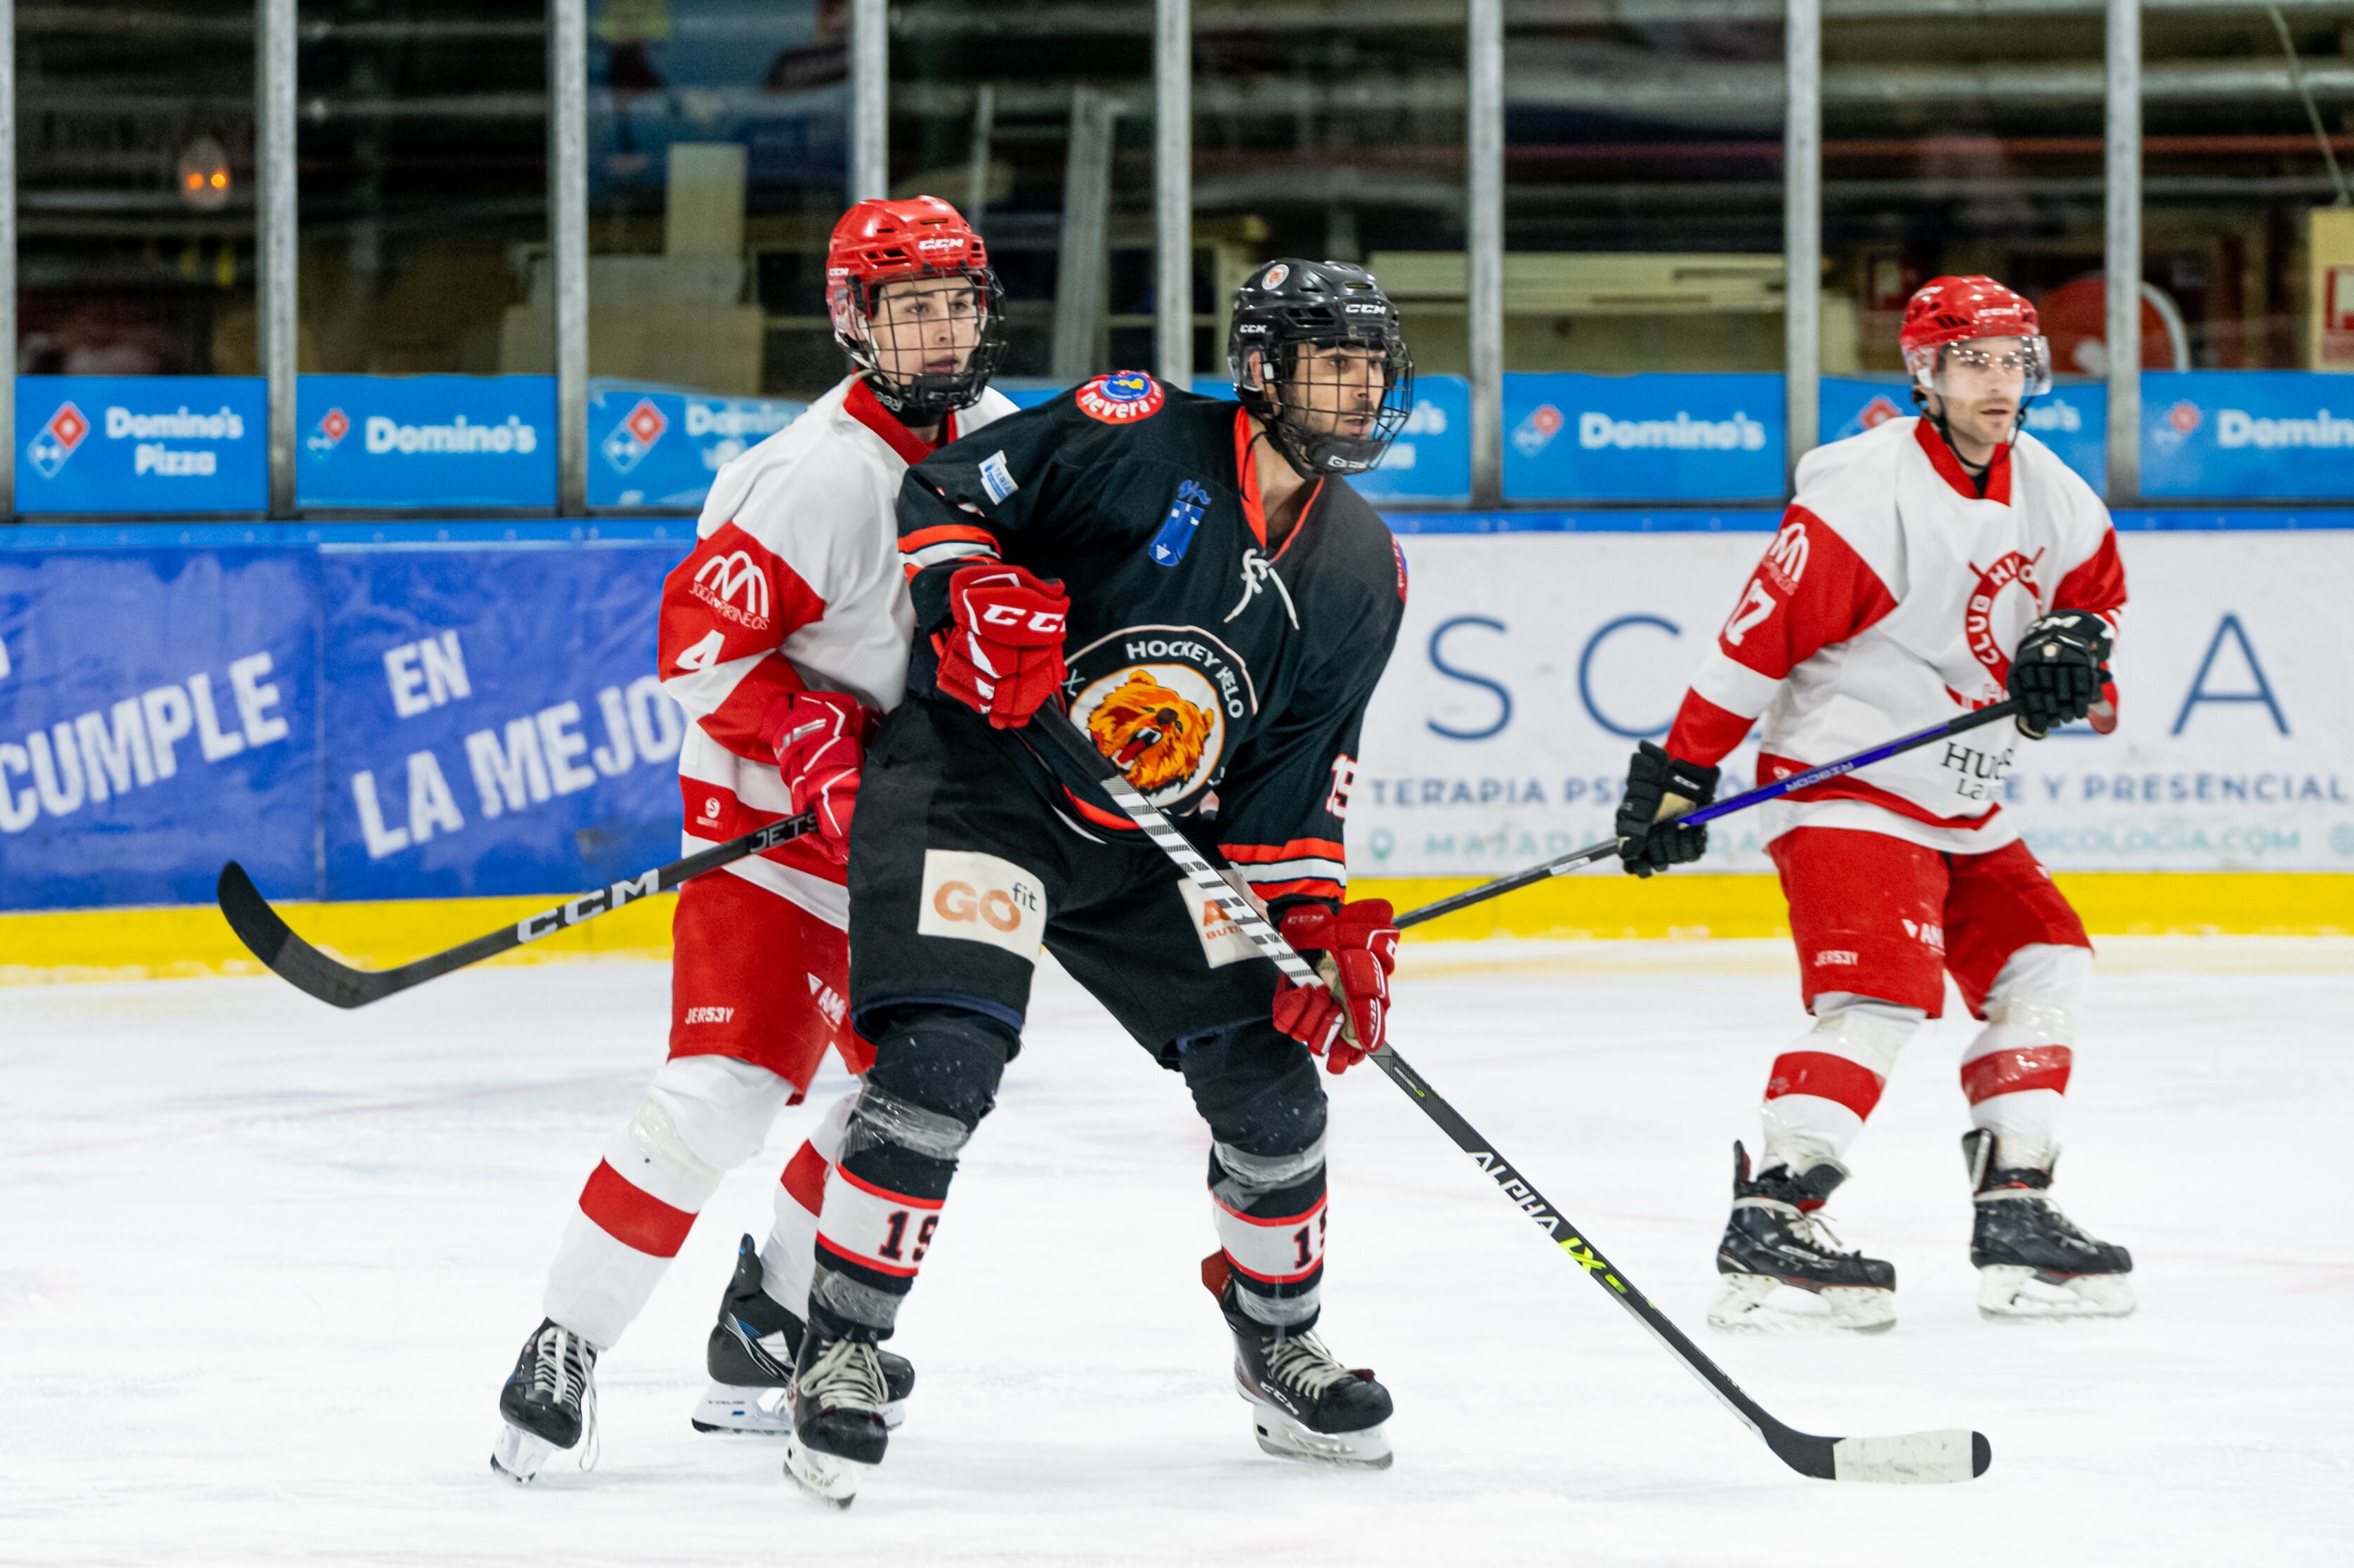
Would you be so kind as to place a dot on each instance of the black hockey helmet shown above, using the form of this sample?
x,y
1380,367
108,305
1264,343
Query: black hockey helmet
x,y
1327,412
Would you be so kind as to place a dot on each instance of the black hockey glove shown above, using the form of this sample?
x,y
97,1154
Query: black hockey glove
x,y
1659,786
2059,671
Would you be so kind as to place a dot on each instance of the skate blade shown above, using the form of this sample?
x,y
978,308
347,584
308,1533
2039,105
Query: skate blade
x,y
519,1456
826,1477
1762,1304
735,1410
1285,1438
2012,1293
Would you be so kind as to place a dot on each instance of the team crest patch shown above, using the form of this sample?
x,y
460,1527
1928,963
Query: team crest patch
x,y
1176,535
1121,397
1160,701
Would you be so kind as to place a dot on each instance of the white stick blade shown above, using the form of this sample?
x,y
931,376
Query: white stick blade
x,y
1916,1457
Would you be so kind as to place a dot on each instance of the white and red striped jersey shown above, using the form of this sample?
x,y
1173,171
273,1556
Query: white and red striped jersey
x,y
1891,600
794,584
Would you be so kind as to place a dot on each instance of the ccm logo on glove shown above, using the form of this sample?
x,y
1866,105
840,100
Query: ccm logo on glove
x,y
1002,653
1354,950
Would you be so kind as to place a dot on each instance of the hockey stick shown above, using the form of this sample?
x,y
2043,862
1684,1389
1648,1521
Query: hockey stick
x,y
1576,859
299,964
1948,1455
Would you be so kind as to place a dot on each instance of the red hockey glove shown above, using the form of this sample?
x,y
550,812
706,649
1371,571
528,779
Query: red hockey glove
x,y
1342,1020
1001,655
820,739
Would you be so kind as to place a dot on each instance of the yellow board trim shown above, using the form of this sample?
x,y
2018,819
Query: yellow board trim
x,y
82,945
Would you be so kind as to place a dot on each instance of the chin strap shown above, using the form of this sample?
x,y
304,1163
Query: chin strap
x,y
1980,473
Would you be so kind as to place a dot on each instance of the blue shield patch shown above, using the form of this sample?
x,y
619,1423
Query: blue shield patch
x,y
1176,535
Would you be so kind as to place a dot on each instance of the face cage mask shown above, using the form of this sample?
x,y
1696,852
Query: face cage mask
x,y
928,397
1313,453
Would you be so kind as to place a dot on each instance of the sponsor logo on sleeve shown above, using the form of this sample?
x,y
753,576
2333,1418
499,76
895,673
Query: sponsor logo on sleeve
x,y
996,479
720,580
1121,397
972,897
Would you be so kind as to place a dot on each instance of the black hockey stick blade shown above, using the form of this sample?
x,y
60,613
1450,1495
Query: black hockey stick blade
x,y
302,966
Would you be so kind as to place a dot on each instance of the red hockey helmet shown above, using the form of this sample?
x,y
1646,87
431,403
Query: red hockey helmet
x,y
1948,310
879,243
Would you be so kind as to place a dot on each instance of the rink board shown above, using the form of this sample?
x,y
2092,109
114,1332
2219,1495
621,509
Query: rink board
x,y
188,942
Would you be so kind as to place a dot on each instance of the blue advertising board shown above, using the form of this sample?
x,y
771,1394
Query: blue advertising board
x,y
425,441
141,443
2224,434
495,725
2071,418
1642,437
157,717
659,446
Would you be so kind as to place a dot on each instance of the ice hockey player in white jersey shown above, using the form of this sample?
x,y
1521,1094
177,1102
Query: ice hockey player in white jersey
x,y
783,635
1925,568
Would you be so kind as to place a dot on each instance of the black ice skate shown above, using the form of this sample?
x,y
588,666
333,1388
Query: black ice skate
x,y
1304,1403
549,1402
751,1354
1782,1266
838,1434
2032,1261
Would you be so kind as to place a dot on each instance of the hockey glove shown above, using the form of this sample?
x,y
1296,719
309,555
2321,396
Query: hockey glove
x,y
1002,653
820,739
1660,787
1343,1020
2060,671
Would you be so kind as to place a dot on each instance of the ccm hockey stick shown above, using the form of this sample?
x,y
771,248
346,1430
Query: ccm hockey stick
x,y
299,964
1576,859
1949,1455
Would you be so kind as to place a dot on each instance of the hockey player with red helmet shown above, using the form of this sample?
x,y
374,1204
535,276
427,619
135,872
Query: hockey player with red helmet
x,y
1926,568
784,635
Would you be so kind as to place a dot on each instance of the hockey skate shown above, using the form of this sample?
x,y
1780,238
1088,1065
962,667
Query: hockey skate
x,y
838,1434
1304,1403
549,1402
2032,1261
1783,1268
751,1354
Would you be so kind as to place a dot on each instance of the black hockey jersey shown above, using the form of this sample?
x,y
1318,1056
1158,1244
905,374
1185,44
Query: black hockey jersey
x,y
1252,664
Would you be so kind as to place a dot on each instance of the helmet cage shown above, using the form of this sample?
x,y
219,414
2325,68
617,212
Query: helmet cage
x,y
1289,398
928,395
1931,365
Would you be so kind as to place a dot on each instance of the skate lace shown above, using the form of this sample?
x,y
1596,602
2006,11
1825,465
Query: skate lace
x,y
846,1376
1301,1361
561,1371
1808,1230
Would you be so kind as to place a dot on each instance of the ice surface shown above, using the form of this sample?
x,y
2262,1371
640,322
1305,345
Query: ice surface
x,y
263,1266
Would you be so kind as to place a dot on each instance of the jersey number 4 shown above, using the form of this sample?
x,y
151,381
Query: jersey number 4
x,y
703,654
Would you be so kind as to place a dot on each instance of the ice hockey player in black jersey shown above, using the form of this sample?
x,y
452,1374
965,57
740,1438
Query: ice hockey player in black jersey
x,y
1193,583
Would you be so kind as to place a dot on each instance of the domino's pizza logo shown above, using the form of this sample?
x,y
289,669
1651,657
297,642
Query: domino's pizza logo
x,y
1536,432
58,440
1122,397
328,433
1878,412
635,436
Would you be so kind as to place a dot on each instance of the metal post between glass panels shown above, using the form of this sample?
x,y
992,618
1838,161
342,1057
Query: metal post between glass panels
x,y
1802,228
567,239
8,256
2122,266
1484,245
275,238
870,87
1173,190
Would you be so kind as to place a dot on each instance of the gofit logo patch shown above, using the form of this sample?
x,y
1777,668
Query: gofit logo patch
x,y
1121,397
974,897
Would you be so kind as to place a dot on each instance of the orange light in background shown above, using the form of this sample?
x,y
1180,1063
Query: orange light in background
x,y
204,174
